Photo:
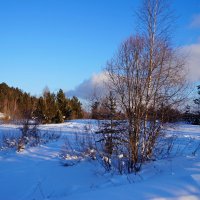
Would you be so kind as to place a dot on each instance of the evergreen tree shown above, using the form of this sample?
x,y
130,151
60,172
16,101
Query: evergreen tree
x,y
197,102
95,110
75,104
187,115
17,104
39,113
110,129
63,104
58,118
109,106
26,106
51,106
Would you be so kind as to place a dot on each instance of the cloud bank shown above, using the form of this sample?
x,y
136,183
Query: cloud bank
x,y
193,60
95,85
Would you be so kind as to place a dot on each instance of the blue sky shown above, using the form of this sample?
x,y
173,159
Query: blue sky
x,y
61,43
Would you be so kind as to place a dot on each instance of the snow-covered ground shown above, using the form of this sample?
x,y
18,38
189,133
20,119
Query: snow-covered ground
x,y
38,174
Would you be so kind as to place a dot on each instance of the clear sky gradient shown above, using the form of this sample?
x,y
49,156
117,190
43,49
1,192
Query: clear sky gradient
x,y
60,43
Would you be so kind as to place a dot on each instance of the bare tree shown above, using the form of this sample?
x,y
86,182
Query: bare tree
x,y
145,74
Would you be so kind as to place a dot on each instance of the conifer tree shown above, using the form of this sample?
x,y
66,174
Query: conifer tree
x,y
58,117
39,113
19,105
95,110
197,102
51,106
75,104
63,104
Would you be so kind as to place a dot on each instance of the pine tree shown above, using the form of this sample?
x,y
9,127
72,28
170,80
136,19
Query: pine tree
x,y
110,129
95,110
61,100
39,113
75,104
197,102
110,106
51,106
26,106
17,104
58,118
63,104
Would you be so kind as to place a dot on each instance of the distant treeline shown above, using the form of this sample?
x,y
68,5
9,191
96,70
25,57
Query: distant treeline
x,y
192,113
48,108
56,107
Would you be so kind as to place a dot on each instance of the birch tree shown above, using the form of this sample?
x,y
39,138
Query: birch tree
x,y
145,74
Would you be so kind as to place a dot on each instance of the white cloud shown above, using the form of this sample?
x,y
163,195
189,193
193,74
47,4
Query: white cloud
x,y
193,59
195,21
95,85
90,87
